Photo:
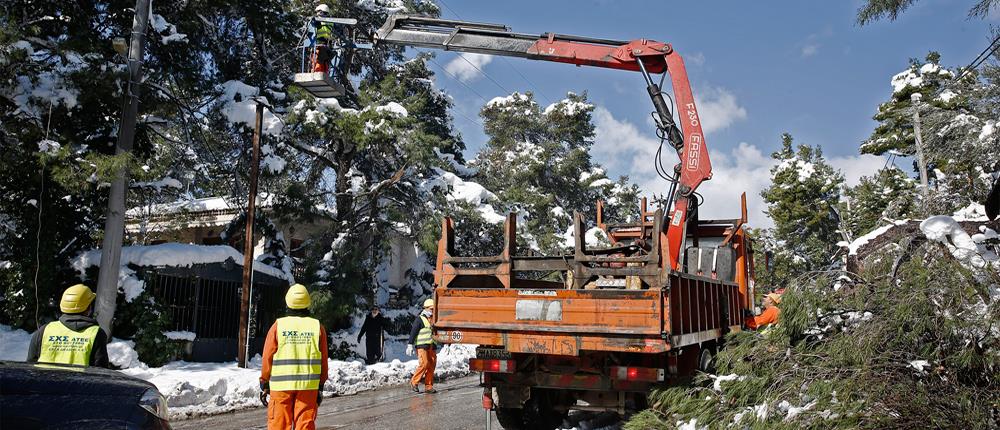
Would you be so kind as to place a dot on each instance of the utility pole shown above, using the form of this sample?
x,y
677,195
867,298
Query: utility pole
x,y
114,224
915,98
248,243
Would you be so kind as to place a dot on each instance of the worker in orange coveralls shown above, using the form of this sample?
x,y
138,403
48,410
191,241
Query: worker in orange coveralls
x,y
770,314
420,336
295,365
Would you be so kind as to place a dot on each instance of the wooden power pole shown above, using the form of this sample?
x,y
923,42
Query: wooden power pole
x,y
921,165
114,224
248,243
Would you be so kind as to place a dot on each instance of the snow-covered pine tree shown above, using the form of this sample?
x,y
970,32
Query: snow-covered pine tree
x,y
538,162
889,194
802,200
959,122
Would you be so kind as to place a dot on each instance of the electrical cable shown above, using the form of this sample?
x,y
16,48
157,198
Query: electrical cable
x,y
504,59
983,56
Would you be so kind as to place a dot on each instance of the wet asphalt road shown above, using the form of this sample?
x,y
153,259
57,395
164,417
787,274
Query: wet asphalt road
x,y
457,405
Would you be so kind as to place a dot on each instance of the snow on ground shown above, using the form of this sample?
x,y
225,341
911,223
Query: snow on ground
x,y
194,389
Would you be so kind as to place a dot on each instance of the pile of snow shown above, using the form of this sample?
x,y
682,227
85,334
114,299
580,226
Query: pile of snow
x,y
122,354
905,79
972,212
945,229
180,335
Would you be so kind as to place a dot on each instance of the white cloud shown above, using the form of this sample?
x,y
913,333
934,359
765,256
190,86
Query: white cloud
x,y
623,148
810,49
854,167
717,108
466,71
697,59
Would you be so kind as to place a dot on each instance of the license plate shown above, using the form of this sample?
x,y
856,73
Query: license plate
x,y
492,353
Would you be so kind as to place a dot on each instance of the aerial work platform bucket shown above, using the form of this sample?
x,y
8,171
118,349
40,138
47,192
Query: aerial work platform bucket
x,y
319,84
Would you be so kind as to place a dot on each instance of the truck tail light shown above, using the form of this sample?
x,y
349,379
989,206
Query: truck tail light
x,y
492,366
647,374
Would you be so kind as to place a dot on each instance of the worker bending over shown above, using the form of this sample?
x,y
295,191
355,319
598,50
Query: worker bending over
x,y
770,314
75,338
421,336
295,365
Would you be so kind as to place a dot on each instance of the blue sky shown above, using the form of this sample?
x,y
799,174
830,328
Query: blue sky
x,y
757,68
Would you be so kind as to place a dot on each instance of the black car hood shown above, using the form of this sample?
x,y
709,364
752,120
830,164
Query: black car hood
x,y
18,378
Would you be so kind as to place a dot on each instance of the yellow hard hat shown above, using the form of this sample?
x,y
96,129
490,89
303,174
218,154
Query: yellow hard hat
x,y
776,298
297,297
76,299
429,303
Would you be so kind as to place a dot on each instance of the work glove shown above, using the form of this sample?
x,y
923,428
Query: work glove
x,y
409,349
265,390
319,397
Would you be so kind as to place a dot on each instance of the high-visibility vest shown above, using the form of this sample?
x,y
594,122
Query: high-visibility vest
x,y
324,32
297,363
62,345
425,336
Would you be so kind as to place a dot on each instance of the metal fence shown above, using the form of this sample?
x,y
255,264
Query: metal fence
x,y
205,300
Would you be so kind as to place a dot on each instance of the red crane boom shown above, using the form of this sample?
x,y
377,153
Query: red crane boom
x,y
641,55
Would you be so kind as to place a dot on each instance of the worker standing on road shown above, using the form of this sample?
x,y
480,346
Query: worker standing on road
x,y
770,314
295,365
75,338
421,336
374,328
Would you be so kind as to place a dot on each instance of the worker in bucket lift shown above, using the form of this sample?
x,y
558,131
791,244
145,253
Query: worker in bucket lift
x,y
421,336
323,52
294,366
769,316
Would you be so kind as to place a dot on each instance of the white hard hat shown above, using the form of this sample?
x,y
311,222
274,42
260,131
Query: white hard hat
x,y
323,8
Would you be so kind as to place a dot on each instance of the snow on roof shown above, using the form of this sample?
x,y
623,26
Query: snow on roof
x,y
172,255
197,205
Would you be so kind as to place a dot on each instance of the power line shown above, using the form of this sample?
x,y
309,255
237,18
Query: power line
x,y
447,73
504,59
502,88
983,56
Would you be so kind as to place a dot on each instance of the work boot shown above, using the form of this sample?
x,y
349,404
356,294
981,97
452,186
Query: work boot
x,y
430,391
415,388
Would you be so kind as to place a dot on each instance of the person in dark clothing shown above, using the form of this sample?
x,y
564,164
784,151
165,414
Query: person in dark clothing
x,y
75,338
374,331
